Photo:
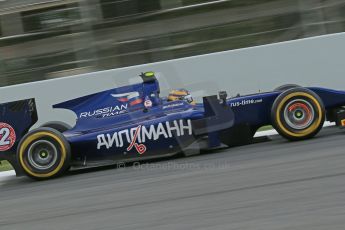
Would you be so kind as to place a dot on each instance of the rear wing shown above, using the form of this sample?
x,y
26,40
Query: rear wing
x,y
16,118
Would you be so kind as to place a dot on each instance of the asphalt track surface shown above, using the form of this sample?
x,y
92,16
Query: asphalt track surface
x,y
271,185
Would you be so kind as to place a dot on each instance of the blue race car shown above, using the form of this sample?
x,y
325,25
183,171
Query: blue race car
x,y
134,123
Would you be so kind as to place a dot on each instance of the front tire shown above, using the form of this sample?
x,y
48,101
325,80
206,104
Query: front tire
x,y
285,87
44,153
298,114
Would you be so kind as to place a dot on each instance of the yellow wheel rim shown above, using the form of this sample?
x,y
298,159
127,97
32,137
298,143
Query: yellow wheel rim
x,y
307,131
32,138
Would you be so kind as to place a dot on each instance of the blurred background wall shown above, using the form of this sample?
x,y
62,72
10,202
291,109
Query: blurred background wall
x,y
45,39
242,46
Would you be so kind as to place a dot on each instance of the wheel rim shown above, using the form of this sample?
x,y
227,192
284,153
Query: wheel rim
x,y
42,155
299,114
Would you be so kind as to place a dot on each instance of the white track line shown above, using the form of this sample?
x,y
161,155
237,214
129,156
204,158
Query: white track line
x,y
258,134
274,132
7,173
270,132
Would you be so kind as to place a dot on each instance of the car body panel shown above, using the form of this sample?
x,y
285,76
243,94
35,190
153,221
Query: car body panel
x,y
133,122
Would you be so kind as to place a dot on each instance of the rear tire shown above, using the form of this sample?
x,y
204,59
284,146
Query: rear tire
x,y
57,125
298,114
44,153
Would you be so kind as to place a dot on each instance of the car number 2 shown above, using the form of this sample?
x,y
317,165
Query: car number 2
x,y
7,136
4,134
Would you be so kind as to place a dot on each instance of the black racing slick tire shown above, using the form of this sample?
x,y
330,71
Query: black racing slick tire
x,y
298,114
44,153
285,87
57,125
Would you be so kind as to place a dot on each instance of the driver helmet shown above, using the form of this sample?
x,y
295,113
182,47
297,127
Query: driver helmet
x,y
181,95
